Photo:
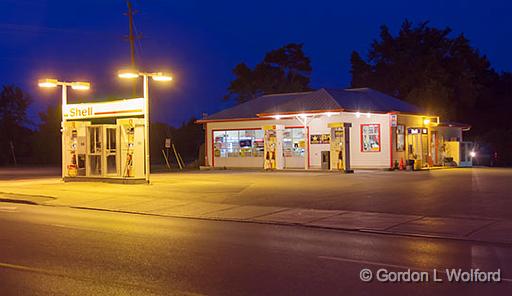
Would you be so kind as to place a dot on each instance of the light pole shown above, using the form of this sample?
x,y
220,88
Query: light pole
x,y
77,85
157,76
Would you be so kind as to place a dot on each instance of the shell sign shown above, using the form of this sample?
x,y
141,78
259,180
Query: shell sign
x,y
128,107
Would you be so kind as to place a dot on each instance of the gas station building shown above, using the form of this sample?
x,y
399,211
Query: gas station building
x,y
332,129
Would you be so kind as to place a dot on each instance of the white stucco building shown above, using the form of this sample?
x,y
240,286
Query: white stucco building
x,y
307,129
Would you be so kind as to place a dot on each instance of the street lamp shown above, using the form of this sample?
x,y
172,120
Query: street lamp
x,y
76,85
156,76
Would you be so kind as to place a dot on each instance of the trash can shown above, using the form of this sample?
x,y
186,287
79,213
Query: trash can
x,y
326,160
410,165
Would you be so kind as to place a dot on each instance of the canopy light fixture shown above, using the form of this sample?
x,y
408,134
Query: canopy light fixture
x,y
160,76
48,82
329,114
80,85
132,73
76,85
128,73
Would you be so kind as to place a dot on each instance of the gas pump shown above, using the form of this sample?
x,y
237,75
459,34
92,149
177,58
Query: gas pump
x,y
72,167
270,148
273,147
340,146
131,146
337,148
74,145
130,137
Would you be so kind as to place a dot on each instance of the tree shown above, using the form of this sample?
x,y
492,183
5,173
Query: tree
x,y
493,126
14,138
48,136
446,76
427,67
286,69
187,140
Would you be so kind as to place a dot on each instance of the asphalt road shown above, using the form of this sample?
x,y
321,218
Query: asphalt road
x,y
62,251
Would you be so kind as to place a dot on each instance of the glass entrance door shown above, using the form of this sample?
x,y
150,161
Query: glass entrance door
x,y
417,146
111,151
94,151
102,151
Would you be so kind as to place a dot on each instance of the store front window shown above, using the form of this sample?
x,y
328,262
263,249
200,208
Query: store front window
x,y
370,137
238,143
294,142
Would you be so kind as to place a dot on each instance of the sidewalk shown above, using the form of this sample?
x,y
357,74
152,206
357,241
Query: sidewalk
x,y
207,203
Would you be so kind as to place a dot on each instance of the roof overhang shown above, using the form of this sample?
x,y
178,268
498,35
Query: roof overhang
x,y
463,126
301,113
329,112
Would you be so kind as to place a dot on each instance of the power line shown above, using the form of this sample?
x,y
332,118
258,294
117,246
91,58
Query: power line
x,y
132,36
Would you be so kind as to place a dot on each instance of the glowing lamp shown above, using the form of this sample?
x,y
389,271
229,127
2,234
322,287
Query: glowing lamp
x,y
472,153
162,77
80,85
47,82
128,73
426,121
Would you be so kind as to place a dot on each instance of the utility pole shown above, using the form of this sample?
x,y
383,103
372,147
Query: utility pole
x,y
131,39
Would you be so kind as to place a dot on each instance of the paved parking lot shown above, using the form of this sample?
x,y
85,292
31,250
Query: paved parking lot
x,y
477,192
456,203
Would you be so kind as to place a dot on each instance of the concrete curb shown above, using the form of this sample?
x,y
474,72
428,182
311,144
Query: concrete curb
x,y
361,230
20,201
265,222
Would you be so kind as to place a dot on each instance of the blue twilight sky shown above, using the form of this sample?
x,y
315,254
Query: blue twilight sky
x,y
201,41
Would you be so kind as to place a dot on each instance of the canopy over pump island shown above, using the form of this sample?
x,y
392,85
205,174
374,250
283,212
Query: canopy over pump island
x,y
104,140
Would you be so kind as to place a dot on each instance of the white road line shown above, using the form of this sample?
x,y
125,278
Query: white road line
x,y
25,268
365,262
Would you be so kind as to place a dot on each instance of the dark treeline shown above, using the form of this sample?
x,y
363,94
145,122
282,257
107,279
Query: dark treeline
x,y
444,75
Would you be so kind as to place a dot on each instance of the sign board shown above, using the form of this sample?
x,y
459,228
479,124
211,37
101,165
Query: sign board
x,y
335,124
167,143
394,120
320,139
129,107
416,131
